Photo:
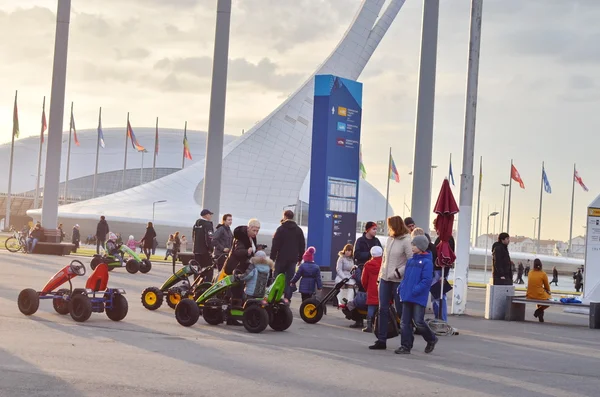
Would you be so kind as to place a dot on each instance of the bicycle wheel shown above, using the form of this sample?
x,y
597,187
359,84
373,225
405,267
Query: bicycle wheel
x,y
12,244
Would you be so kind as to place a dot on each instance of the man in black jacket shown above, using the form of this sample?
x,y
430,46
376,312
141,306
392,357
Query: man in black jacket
x,y
501,263
202,234
362,250
287,249
223,240
101,232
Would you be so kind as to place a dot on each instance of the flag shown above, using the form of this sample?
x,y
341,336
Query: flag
x,y
514,174
15,119
44,124
100,134
363,171
136,145
580,181
156,139
450,173
74,129
547,186
394,175
480,174
186,148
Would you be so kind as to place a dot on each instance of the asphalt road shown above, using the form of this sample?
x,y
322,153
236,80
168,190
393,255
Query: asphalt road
x,y
149,354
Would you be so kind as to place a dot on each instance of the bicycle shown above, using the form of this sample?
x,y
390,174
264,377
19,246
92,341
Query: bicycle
x,y
16,242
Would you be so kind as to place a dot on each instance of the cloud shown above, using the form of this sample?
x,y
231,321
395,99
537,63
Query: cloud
x,y
132,54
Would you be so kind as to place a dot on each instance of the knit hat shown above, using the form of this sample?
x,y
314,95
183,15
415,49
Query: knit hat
x,y
260,254
309,255
409,221
421,243
376,251
370,225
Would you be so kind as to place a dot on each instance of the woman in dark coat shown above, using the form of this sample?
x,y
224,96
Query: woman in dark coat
x,y
148,240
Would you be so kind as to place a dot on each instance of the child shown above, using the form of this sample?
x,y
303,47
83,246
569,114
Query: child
x,y
132,244
414,291
169,247
257,275
112,247
369,282
309,275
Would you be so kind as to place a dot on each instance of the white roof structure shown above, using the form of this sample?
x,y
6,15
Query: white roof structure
x,y
265,169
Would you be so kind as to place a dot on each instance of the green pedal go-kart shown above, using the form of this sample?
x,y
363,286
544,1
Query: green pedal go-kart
x,y
256,314
134,264
178,286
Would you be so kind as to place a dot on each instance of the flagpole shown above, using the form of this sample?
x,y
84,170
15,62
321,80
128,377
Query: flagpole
x,y
126,141
39,170
68,157
387,194
155,151
509,198
540,213
183,152
97,154
10,168
572,207
478,200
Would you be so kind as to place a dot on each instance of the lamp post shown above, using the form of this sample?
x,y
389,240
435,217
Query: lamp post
x,y
154,205
487,244
505,185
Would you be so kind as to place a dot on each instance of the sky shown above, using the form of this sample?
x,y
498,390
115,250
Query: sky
x,y
538,86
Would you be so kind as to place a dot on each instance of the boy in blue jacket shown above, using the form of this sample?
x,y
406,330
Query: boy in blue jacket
x,y
309,274
414,291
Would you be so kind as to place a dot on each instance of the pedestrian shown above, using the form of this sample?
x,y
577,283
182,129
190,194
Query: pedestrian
x,y
35,235
520,270
101,231
202,234
223,240
414,291
176,248
343,270
527,268
362,251
169,244
578,280
287,249
131,243
369,282
538,288
148,240
62,233
437,275
397,252
554,276
75,238
309,275
184,244
501,263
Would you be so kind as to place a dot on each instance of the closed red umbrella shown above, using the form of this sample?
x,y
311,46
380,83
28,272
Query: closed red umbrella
x,y
445,207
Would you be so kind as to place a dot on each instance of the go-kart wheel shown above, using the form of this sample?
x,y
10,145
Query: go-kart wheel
x,y
12,244
174,296
212,312
132,266
29,301
80,307
281,318
119,308
310,311
187,312
145,266
95,262
255,319
61,306
152,298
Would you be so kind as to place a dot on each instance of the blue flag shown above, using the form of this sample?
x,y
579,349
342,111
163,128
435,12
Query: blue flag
x,y
547,186
451,174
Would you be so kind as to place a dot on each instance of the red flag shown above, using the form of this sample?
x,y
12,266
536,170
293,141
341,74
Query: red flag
x,y
186,148
579,180
74,130
514,174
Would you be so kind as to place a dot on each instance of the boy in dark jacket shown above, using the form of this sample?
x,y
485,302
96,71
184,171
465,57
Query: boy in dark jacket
x,y
362,251
309,275
414,291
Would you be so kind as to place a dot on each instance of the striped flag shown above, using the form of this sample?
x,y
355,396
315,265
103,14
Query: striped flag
x,y
547,186
100,134
363,171
134,142
450,173
186,147
393,171
579,180
15,119
74,129
44,124
515,176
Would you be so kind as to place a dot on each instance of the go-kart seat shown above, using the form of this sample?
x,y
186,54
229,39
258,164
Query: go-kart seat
x,y
98,280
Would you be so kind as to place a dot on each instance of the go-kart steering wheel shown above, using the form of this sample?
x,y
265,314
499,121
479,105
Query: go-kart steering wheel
x,y
194,266
76,267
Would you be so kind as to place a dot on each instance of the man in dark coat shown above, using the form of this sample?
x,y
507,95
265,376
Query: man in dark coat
x,y
362,250
202,234
75,238
520,270
288,247
223,240
501,263
101,232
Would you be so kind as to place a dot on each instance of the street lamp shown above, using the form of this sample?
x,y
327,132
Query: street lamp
x,y
154,205
505,185
487,244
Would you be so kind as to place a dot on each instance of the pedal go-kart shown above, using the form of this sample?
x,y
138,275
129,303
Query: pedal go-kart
x,y
29,299
134,264
178,286
256,314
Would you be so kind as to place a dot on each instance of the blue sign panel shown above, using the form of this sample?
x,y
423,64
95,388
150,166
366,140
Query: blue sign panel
x,y
334,167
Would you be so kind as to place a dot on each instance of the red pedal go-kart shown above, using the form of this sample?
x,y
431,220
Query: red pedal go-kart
x,y
79,302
